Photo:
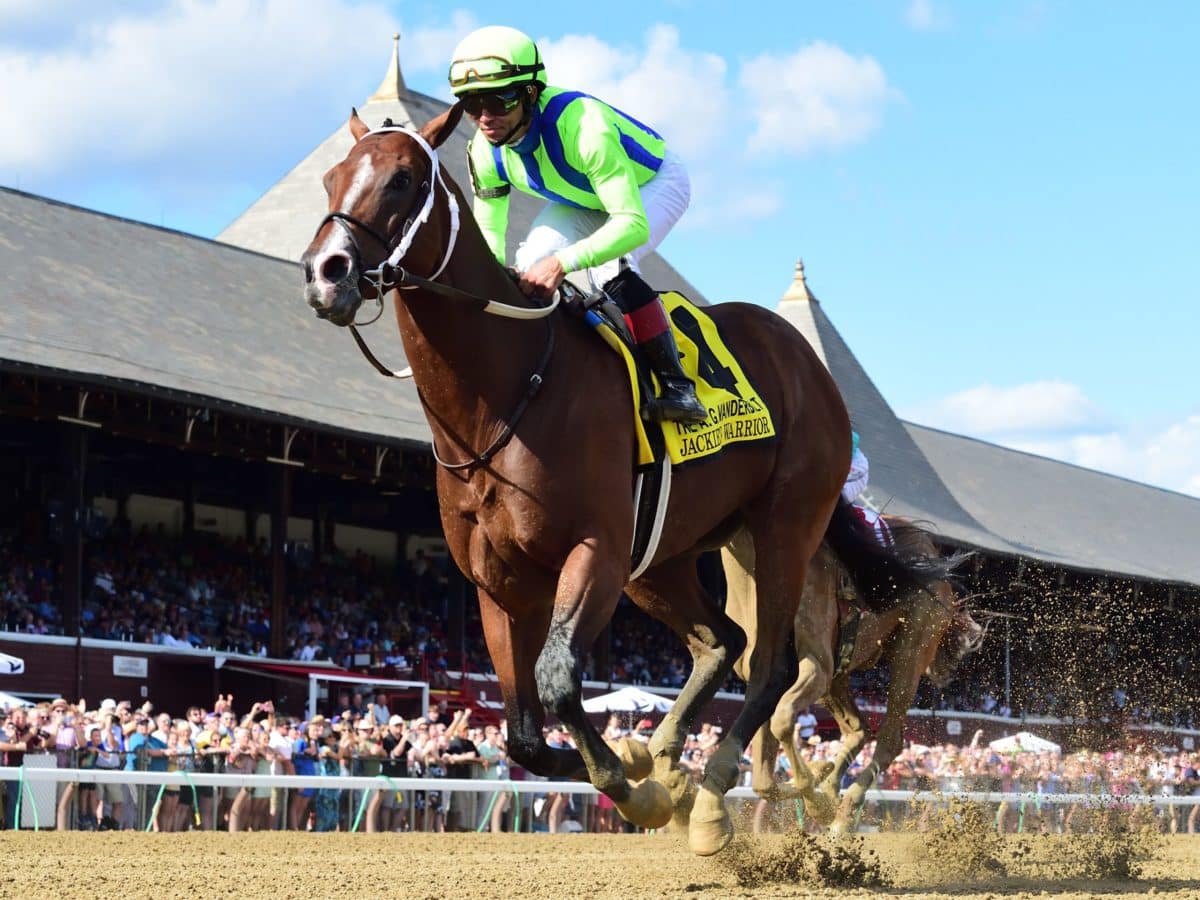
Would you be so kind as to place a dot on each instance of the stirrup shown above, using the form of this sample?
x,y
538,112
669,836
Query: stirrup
x,y
679,403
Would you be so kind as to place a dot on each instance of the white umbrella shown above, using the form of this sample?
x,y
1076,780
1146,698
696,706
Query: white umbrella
x,y
1024,742
628,699
11,665
9,701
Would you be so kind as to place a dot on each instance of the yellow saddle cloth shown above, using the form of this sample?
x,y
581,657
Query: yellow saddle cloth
x,y
736,412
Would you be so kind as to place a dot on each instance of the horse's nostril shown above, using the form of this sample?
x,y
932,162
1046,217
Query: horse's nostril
x,y
335,267
308,271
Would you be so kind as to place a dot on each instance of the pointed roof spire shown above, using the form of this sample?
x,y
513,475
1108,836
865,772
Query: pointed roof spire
x,y
392,86
799,288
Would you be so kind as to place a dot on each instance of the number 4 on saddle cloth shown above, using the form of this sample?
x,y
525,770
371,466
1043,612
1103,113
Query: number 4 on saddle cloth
x,y
736,411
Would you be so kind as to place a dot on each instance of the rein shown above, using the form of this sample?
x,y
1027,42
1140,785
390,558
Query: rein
x,y
390,275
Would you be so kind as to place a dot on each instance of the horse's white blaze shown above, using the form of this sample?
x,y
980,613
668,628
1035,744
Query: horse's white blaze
x,y
363,176
336,239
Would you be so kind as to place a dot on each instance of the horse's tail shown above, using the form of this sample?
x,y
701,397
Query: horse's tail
x,y
883,575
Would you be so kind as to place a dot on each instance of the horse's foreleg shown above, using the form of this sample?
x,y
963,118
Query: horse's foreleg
x,y
815,671
673,594
513,653
588,590
912,649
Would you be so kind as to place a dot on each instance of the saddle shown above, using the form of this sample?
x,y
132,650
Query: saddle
x,y
600,311
737,411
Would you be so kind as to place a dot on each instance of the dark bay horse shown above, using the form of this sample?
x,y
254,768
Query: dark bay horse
x,y
926,632
538,513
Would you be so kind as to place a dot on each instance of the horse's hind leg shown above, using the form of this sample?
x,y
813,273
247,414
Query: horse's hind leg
x,y
784,540
854,736
673,594
588,589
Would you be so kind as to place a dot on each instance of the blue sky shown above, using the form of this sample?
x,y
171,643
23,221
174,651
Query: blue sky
x,y
996,202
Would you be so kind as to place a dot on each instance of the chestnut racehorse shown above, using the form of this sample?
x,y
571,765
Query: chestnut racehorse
x,y
926,632
532,424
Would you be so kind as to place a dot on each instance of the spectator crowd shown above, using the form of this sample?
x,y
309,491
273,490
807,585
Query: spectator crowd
x,y
365,738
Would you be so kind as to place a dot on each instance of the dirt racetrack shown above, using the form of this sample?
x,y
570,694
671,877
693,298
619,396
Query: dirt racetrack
x,y
413,866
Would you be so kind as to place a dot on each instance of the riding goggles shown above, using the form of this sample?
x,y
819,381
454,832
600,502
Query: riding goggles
x,y
487,68
496,103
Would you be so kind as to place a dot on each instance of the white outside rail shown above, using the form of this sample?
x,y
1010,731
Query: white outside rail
x,y
487,786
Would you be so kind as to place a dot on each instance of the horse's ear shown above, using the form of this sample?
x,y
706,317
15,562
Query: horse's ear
x,y
437,130
357,126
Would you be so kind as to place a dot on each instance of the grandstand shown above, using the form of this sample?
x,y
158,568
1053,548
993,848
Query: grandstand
x,y
158,385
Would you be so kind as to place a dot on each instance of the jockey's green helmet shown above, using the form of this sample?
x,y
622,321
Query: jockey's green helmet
x,y
492,58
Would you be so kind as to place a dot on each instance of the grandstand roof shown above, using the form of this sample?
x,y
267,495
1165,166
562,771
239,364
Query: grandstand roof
x,y
112,300
1090,519
280,223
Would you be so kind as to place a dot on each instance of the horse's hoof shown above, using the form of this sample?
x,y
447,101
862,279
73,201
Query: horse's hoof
x,y
683,795
841,826
820,808
648,805
710,829
635,758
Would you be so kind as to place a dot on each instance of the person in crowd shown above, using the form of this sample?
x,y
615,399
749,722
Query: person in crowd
x,y
187,813
110,756
305,761
282,747
18,738
240,760
395,746
325,804
461,759
63,735
493,756
264,759
87,819
368,762
211,747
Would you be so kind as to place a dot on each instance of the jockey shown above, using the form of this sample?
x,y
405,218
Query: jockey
x,y
614,189
852,490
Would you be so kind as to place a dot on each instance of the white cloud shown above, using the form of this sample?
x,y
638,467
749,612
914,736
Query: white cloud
x,y
921,15
685,95
1039,407
679,92
1055,419
1168,456
819,97
169,95
429,48
197,79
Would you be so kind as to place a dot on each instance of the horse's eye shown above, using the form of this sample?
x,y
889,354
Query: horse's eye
x,y
400,181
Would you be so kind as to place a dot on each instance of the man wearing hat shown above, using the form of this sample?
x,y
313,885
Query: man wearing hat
x,y
17,738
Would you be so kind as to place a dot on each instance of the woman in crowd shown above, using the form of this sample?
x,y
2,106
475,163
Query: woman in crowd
x,y
305,761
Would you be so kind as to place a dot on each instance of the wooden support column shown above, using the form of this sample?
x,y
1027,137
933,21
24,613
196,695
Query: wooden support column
x,y
280,509
189,498
75,451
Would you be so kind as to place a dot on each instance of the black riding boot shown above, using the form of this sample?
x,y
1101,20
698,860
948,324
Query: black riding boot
x,y
678,401
647,318
652,330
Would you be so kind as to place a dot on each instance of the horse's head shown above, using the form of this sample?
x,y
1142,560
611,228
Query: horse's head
x,y
380,196
962,637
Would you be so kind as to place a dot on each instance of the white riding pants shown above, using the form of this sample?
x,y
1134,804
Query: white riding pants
x,y
556,227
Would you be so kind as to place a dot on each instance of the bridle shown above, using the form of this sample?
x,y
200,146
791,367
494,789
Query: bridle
x,y
390,275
